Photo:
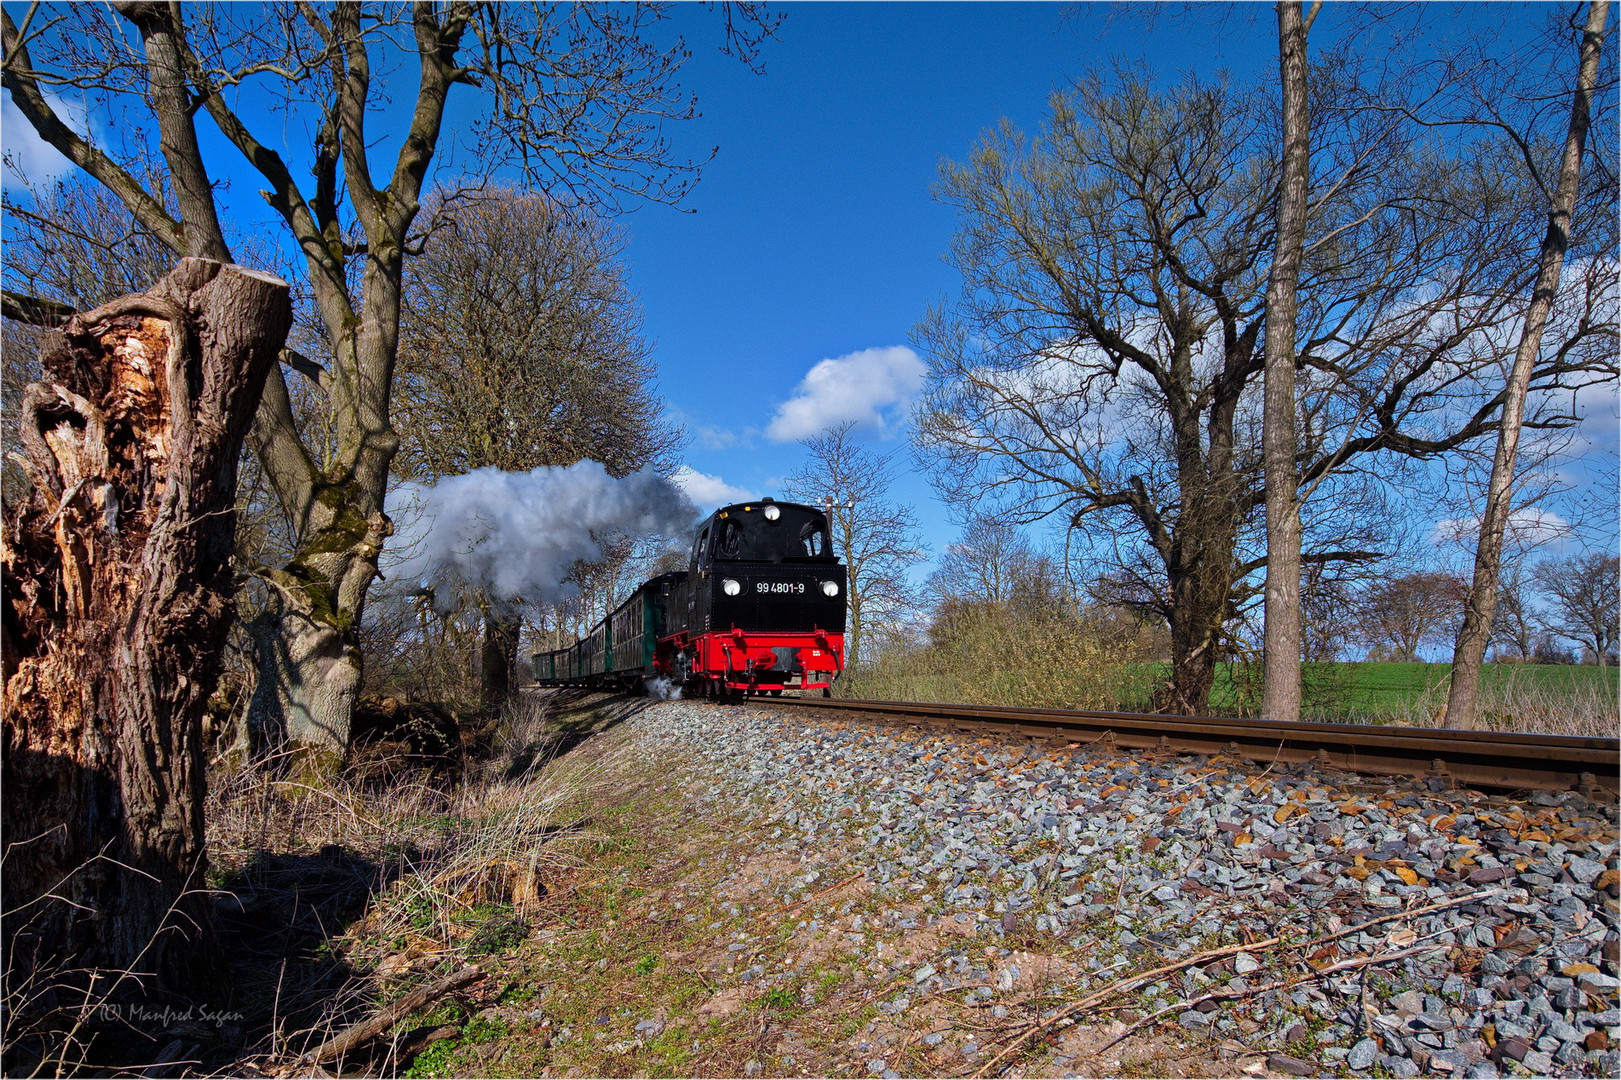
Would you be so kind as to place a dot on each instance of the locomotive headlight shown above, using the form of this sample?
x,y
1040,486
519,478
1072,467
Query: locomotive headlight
x,y
772,513
730,587
830,588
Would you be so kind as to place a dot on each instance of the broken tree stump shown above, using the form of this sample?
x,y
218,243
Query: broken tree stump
x,y
116,592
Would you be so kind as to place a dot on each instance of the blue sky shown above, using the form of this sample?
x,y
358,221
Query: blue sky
x,y
814,246
813,236
784,291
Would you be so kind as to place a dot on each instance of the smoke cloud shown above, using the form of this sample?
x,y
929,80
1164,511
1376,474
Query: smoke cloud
x,y
517,535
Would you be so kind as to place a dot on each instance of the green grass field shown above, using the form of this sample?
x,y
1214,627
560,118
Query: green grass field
x,y
1550,698
1412,693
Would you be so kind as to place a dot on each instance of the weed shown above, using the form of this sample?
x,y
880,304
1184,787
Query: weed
x,y
435,1061
517,994
672,1055
779,999
441,1015
498,930
420,912
1304,1049
647,964
481,1030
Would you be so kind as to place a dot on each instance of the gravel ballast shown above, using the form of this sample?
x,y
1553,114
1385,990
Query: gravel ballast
x,y
1091,865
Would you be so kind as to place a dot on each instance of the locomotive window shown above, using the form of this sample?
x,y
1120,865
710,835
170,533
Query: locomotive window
x,y
729,544
699,546
813,539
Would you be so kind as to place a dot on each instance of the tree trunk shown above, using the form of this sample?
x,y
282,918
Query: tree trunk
x,y
117,585
307,680
1281,700
309,661
1198,609
498,660
1470,649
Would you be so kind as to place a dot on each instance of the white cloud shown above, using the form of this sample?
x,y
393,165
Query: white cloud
x,y
1528,527
708,492
30,160
715,438
870,388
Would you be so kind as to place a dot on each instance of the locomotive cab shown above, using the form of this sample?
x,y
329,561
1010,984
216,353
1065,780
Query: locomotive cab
x,y
764,532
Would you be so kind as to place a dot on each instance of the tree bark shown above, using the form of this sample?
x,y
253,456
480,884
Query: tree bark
x,y
308,677
116,588
499,657
1200,583
1281,697
1474,634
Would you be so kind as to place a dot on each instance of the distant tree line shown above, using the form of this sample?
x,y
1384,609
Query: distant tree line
x,y
1563,611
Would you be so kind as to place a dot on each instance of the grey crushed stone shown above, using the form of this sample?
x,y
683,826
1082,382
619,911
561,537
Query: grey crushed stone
x,y
1142,861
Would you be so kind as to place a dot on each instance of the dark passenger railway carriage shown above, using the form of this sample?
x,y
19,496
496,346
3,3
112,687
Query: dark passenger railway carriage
x,y
759,609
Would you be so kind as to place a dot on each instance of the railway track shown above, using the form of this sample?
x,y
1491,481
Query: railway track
x,y
1483,759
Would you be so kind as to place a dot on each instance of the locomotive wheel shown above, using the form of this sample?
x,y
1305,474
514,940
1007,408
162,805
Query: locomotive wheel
x,y
776,693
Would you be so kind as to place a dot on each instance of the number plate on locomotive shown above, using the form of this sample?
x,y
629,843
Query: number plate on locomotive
x,y
779,587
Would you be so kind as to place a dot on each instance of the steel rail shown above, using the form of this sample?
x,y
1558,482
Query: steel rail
x,y
1474,758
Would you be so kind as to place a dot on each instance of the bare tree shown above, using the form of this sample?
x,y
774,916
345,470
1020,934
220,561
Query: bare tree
x,y
1475,632
1328,613
1401,615
989,563
876,535
117,583
1514,622
1281,699
1584,593
575,98
521,346
1100,363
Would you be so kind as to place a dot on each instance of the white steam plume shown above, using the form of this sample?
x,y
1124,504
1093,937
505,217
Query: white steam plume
x,y
517,535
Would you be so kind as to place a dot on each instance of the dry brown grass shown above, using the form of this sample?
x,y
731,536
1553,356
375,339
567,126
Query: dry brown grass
x,y
338,897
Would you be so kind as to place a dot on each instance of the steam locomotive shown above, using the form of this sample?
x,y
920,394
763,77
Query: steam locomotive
x,y
760,609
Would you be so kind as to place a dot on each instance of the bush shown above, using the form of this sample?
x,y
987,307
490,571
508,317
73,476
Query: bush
x,y
1051,654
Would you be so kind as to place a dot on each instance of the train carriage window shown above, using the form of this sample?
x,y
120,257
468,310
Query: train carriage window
x,y
813,539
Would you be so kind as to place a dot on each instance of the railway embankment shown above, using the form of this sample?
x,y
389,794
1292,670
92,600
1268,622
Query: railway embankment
x,y
774,894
